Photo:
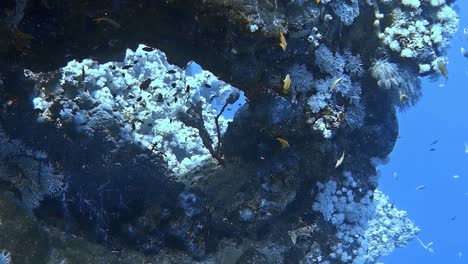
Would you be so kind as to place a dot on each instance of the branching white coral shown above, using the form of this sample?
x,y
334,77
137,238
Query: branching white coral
x,y
419,34
391,228
367,225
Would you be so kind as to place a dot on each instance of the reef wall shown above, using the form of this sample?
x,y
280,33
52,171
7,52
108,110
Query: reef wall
x,y
254,141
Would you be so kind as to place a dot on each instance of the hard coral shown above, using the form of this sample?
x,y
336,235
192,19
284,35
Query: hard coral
x,y
139,100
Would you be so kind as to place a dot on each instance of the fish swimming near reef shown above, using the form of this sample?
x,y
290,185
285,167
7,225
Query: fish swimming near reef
x,y
464,52
284,143
286,84
283,44
335,83
110,21
403,97
443,69
340,160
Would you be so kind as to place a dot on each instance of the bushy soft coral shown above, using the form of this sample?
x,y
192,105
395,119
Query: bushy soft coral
x,y
368,220
343,71
404,85
347,11
303,79
28,171
348,209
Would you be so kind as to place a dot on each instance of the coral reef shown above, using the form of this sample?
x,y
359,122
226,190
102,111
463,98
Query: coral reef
x,y
125,155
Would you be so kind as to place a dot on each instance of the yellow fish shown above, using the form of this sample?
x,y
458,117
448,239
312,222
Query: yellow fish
x,y
283,42
340,160
284,142
286,84
317,2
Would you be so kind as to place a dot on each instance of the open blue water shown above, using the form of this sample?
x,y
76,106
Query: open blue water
x,y
441,208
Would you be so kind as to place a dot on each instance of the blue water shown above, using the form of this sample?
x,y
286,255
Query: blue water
x,y
440,209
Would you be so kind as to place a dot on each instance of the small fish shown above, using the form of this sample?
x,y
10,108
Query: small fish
x,y
443,69
145,84
148,49
160,98
335,83
174,85
123,74
464,52
125,67
107,20
133,127
456,176
434,142
286,84
284,143
432,149
188,64
187,89
421,187
283,44
340,160
171,71
453,218
212,97
112,67
82,73
317,2
207,85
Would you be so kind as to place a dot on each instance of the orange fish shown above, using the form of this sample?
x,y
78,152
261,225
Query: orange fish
x,y
107,20
286,84
284,143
